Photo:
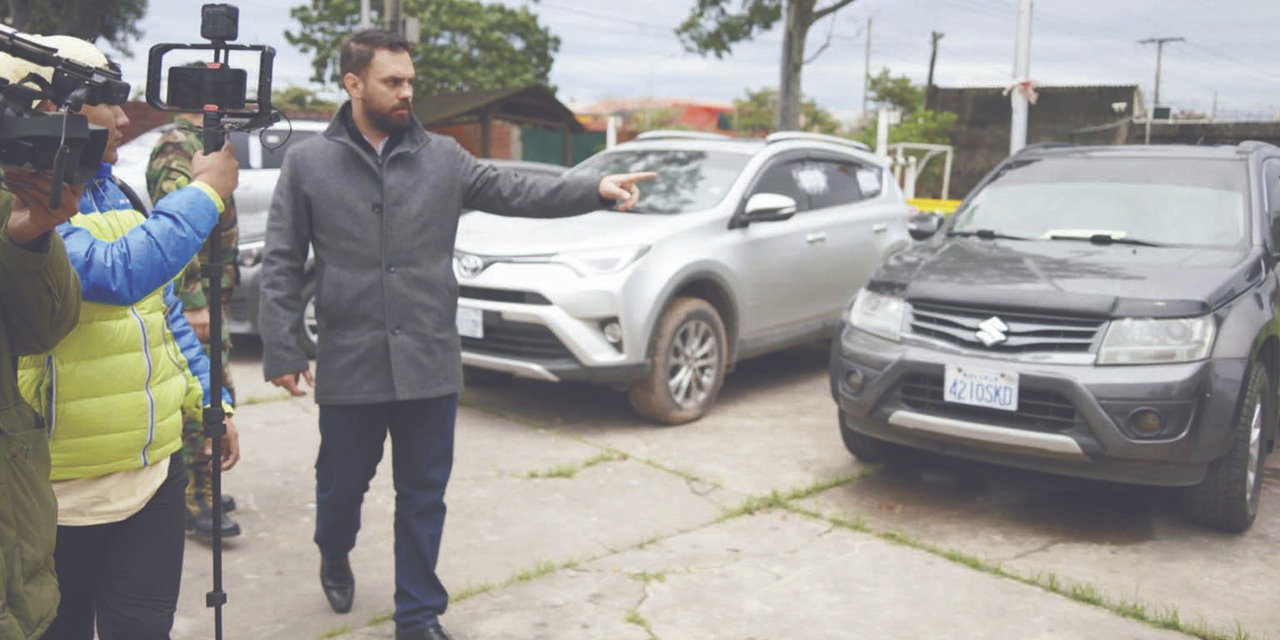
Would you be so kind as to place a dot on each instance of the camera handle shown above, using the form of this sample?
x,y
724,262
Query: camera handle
x,y
214,416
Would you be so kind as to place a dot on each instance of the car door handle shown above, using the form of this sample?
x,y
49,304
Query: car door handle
x,y
815,238
880,228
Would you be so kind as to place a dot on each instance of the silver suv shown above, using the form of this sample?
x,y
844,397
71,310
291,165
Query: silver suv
x,y
739,248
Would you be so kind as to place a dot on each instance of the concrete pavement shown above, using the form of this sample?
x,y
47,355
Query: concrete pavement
x,y
570,518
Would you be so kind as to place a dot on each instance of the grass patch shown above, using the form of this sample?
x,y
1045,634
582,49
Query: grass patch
x,y
568,471
334,633
252,400
634,617
648,577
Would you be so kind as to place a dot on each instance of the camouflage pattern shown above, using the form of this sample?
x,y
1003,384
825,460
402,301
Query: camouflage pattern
x,y
169,170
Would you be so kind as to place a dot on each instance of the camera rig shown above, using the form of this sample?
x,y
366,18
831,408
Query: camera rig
x,y
62,143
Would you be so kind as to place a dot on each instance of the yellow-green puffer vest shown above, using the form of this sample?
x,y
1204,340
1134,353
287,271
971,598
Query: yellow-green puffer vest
x,y
114,393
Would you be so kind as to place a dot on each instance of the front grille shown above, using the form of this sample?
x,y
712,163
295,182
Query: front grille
x,y
1038,409
1028,333
502,295
523,340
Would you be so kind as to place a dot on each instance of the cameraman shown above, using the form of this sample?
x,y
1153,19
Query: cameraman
x,y
114,393
39,304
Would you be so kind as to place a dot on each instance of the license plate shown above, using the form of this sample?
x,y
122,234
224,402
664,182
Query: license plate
x,y
981,388
470,323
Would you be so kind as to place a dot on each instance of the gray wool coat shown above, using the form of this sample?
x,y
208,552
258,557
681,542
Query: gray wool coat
x,y
382,229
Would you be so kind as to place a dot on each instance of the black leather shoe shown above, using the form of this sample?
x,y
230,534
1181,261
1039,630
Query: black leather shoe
x,y
201,524
338,582
228,503
431,632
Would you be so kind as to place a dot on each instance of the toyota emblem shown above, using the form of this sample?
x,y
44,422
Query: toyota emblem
x,y
470,266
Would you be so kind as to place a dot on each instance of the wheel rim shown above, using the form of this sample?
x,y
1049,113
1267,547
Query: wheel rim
x,y
309,323
693,364
1255,453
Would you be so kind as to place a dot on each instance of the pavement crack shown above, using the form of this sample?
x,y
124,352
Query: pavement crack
x,y
1030,552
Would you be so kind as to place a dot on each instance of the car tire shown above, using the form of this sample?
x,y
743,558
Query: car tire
x,y
680,388
1228,497
867,449
310,327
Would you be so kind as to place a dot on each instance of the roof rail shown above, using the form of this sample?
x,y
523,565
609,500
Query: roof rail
x,y
1035,146
782,136
676,134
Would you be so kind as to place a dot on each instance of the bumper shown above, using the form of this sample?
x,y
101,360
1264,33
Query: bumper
x,y
1073,419
539,324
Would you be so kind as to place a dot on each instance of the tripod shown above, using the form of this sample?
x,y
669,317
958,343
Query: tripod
x,y
214,415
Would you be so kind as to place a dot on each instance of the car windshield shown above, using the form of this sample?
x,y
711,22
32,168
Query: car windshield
x,y
1178,201
687,180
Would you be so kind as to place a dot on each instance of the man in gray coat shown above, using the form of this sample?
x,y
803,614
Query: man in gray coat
x,y
378,200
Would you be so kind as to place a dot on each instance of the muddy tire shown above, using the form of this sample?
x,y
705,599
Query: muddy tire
x,y
689,354
1227,499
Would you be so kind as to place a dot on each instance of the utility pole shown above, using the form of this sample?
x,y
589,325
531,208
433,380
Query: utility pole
x,y
364,15
391,14
1021,71
1155,102
866,76
933,61
1214,116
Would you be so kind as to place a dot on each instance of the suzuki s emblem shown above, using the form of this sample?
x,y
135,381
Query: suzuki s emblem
x,y
470,266
992,331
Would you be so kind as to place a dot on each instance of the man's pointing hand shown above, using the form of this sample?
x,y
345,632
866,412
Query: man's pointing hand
x,y
622,188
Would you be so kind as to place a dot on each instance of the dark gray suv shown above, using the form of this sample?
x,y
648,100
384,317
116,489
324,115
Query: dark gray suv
x,y
1101,312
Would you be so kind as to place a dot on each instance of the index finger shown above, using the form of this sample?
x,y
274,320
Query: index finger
x,y
643,176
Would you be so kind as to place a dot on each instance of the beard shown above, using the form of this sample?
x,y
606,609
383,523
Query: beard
x,y
388,121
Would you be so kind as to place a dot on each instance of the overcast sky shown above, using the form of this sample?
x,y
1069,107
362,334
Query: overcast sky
x,y
611,50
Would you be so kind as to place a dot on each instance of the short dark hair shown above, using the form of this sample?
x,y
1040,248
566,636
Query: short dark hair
x,y
358,50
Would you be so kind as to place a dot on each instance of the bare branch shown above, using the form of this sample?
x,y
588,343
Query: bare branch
x,y
830,31
830,9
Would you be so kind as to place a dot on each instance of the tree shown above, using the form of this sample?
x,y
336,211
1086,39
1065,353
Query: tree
x,y
713,27
897,92
466,45
115,21
757,114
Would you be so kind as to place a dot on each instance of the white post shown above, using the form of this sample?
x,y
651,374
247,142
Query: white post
x,y
364,14
882,133
1021,71
610,132
946,175
913,170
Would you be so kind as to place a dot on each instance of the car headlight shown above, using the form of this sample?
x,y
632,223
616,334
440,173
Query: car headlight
x,y
877,314
595,262
1146,341
250,253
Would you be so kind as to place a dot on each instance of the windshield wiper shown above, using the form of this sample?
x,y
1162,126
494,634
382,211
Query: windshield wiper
x,y
985,234
1106,238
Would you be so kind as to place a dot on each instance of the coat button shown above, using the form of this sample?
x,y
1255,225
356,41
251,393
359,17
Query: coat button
x,y
377,207
391,268
395,331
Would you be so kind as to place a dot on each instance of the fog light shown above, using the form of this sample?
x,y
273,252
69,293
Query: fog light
x,y
613,333
854,379
1147,421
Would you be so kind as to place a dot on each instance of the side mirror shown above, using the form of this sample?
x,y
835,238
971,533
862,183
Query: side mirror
x,y
922,226
769,207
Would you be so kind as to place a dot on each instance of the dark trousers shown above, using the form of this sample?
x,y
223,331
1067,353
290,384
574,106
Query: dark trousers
x,y
351,442
124,574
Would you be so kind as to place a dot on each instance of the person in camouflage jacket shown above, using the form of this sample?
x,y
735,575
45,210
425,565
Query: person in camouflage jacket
x,y
169,169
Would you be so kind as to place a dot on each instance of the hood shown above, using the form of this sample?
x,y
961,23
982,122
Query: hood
x,y
1072,278
491,235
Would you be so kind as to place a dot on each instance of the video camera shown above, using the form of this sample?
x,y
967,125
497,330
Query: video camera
x,y
216,89
61,143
